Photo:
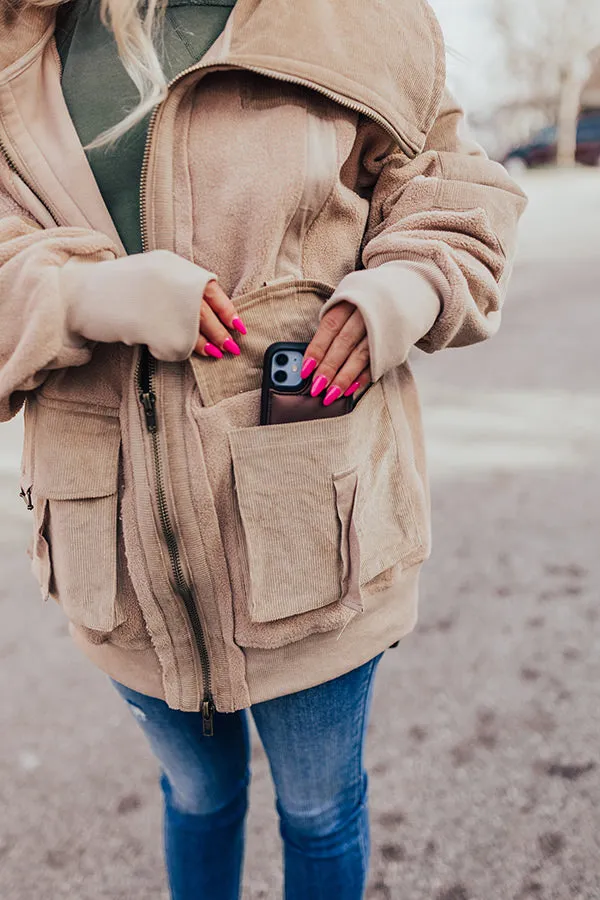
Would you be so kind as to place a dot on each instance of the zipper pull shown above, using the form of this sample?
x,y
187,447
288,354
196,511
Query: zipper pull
x,y
148,401
26,495
208,709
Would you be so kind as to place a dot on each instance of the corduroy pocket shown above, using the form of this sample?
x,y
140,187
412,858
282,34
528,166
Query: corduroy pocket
x,y
74,486
325,507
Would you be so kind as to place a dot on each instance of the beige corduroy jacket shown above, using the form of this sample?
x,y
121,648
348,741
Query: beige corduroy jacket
x,y
313,155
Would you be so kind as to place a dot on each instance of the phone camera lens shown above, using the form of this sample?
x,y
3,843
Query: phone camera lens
x,y
280,376
282,359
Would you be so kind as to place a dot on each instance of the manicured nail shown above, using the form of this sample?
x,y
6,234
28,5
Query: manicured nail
x,y
231,346
318,385
239,325
213,351
308,367
332,394
353,387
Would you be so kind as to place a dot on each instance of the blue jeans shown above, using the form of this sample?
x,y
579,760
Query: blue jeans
x,y
314,742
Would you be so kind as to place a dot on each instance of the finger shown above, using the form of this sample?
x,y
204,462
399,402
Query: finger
x,y
340,349
365,378
353,374
329,327
213,330
223,308
205,348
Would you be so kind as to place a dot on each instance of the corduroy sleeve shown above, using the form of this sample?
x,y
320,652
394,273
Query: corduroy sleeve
x,y
439,245
34,333
62,290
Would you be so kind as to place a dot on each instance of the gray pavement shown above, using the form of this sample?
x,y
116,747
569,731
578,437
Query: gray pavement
x,y
484,747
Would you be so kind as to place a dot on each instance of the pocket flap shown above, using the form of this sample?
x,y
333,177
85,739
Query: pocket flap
x,y
346,488
75,454
40,551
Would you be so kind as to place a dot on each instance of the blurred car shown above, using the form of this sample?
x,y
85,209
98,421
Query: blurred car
x,y
542,148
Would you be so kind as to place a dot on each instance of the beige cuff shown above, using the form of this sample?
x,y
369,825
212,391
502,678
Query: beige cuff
x,y
151,298
399,304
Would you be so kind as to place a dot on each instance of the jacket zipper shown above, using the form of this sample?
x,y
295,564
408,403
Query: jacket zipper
x,y
406,146
145,371
27,181
146,367
144,376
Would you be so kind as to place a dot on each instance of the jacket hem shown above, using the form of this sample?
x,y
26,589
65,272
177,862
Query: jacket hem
x,y
283,670
322,657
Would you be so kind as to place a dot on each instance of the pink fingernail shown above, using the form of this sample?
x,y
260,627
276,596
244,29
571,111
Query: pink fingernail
x,y
308,367
353,387
332,394
239,325
318,385
213,351
231,346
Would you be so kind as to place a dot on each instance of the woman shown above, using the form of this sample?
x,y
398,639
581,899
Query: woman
x,y
302,177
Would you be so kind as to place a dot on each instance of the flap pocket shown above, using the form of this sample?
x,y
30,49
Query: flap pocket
x,y
325,506
75,488
75,454
287,306
290,526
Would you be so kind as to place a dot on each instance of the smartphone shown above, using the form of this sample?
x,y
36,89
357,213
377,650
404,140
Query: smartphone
x,y
286,395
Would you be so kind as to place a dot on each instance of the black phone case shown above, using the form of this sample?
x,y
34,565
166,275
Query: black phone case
x,y
280,406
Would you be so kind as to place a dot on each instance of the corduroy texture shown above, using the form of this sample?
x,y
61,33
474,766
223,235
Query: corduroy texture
x,y
297,461
74,468
374,177
21,26
289,308
390,57
288,481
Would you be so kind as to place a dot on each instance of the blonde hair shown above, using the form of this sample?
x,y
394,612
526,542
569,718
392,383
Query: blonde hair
x,y
136,28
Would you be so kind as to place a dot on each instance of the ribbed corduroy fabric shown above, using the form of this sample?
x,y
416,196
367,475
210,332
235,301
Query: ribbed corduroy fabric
x,y
301,544
76,470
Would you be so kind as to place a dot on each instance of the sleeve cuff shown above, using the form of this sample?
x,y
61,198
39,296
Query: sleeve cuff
x,y
152,299
399,302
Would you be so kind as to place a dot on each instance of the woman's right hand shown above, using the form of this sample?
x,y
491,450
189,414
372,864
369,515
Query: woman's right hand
x,y
156,298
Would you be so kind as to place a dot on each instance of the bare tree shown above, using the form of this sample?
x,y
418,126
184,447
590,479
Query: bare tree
x,y
546,48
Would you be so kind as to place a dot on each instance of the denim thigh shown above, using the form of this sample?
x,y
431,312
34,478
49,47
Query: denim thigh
x,y
314,740
204,774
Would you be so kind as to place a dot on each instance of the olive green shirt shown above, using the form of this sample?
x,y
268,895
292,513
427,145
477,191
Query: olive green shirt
x,y
99,92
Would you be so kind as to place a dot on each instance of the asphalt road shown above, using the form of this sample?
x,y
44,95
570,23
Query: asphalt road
x,y
484,747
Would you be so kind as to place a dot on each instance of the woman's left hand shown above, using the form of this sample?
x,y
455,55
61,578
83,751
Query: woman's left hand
x,y
338,355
